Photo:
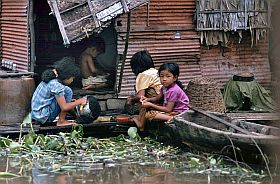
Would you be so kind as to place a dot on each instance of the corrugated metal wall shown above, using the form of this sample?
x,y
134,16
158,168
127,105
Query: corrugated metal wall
x,y
156,33
14,33
221,64
0,31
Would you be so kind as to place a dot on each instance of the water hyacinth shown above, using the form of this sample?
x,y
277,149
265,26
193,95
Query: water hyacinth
x,y
71,151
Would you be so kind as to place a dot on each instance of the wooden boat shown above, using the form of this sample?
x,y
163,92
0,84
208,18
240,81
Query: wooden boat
x,y
199,130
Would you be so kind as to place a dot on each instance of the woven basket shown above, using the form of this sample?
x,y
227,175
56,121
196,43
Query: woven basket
x,y
205,94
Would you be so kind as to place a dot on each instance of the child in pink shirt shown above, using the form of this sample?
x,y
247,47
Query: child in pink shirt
x,y
174,98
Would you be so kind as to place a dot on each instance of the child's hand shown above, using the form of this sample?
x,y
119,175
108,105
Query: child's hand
x,y
146,104
82,101
143,99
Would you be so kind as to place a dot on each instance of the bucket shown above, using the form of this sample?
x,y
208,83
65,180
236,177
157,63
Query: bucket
x,y
15,98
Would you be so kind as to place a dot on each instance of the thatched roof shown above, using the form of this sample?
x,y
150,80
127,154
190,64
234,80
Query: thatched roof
x,y
216,17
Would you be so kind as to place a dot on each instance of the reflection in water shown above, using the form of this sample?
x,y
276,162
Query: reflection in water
x,y
100,173
124,172
118,161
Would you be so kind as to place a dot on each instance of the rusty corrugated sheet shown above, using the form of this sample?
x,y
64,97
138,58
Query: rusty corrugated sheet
x,y
14,33
0,32
221,64
155,31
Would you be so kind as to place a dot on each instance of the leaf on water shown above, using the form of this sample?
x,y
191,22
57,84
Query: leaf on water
x,y
52,144
132,132
8,175
252,181
4,142
40,175
146,163
29,140
35,148
245,170
111,165
27,120
14,147
194,161
213,161
68,167
127,140
225,172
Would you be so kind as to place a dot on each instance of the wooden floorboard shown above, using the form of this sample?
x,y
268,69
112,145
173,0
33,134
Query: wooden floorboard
x,y
94,129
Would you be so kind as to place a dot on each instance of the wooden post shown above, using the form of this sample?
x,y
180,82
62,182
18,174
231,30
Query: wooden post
x,y
32,36
125,8
97,23
60,23
125,50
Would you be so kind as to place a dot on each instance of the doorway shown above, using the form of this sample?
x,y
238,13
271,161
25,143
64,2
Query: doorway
x,y
49,47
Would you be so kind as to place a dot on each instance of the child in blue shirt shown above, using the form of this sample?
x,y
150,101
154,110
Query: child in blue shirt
x,y
53,97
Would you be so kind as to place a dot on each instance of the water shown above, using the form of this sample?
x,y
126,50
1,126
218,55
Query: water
x,y
110,173
69,158
65,170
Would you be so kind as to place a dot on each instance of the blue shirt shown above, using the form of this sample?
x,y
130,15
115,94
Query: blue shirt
x,y
44,103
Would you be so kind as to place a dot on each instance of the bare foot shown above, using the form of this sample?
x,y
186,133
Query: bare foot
x,y
170,121
95,86
65,123
138,123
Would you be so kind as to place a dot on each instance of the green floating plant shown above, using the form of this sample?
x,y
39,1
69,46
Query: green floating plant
x,y
8,175
132,132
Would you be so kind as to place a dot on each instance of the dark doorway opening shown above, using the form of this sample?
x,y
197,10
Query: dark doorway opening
x,y
49,47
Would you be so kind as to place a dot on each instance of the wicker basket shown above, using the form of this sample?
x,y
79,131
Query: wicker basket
x,y
205,94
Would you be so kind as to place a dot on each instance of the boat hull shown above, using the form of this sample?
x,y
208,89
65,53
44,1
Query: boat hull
x,y
203,133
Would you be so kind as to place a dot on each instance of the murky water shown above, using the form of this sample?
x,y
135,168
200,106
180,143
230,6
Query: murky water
x,y
106,173
114,171
69,158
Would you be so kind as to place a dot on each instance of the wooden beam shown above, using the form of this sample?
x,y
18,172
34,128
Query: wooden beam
x,y
255,116
124,5
18,74
60,23
97,23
